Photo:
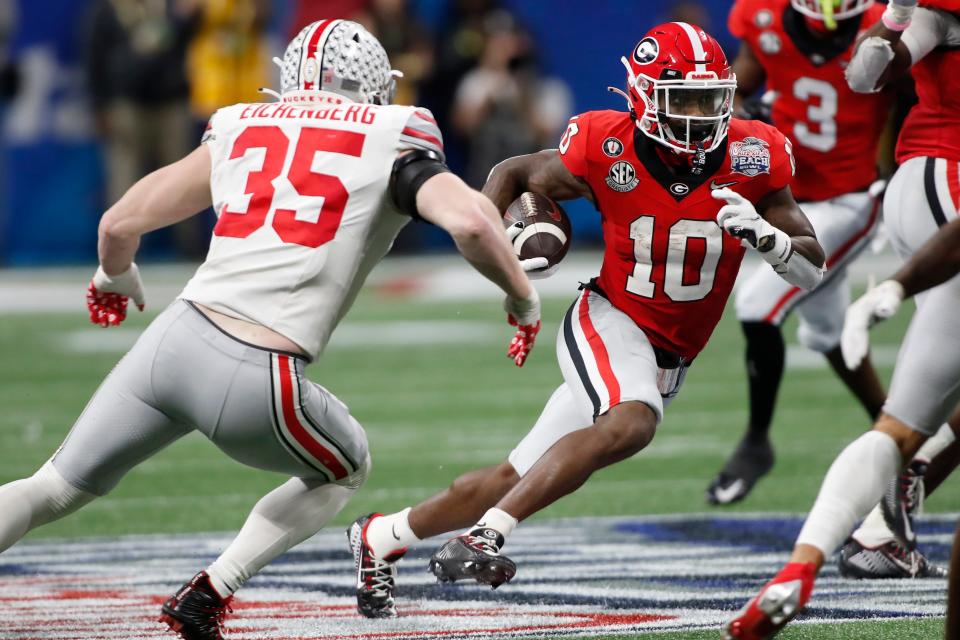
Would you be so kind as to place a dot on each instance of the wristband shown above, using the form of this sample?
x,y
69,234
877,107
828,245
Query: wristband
x,y
897,17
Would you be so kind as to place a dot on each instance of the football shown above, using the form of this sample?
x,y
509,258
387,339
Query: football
x,y
546,231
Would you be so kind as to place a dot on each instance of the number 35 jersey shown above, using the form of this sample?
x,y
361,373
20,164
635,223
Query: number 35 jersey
x,y
667,264
304,213
834,130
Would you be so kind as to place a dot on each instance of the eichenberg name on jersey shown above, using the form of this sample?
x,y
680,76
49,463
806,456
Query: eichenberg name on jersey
x,y
362,113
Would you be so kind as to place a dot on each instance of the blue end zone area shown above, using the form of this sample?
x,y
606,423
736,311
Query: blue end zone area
x,y
577,577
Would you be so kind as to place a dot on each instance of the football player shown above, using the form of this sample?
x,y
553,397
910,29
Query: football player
x,y
923,197
682,190
799,50
310,192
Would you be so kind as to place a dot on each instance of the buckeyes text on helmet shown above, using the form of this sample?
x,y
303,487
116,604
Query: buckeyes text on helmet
x,y
680,87
336,57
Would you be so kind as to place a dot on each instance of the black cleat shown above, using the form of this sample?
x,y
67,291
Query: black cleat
x,y
196,611
889,560
473,555
749,463
376,579
903,501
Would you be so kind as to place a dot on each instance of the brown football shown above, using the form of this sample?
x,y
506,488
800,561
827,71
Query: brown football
x,y
546,232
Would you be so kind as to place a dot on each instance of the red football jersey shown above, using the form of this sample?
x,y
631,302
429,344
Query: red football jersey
x,y
667,263
834,130
932,127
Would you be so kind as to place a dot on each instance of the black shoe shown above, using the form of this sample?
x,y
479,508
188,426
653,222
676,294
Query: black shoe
x,y
903,501
473,555
376,579
889,560
197,611
749,463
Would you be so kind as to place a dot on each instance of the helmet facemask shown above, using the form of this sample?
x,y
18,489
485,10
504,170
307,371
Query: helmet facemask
x,y
830,11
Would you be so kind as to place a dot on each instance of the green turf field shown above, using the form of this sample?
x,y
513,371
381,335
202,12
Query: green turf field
x,y
434,411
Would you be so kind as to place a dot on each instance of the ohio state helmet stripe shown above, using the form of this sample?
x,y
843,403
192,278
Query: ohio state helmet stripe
x,y
310,50
698,50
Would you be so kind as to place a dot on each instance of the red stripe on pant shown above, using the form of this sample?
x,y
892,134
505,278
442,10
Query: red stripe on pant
x,y
296,428
312,49
599,351
953,182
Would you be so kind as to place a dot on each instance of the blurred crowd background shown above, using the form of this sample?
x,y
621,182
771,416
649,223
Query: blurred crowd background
x,y
96,93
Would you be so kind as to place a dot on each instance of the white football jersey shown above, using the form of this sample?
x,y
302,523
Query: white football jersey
x,y
304,213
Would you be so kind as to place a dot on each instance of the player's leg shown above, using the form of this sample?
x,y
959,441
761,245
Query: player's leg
x,y
119,428
611,369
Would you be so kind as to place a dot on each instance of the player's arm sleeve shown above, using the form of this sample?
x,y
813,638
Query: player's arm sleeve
x,y
574,144
422,133
215,135
929,29
783,166
421,157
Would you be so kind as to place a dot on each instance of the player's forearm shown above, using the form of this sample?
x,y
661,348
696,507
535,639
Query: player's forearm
x,y
935,263
484,245
809,248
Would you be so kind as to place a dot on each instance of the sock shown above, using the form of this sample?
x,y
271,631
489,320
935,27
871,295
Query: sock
x,y
874,531
498,520
388,535
853,485
42,498
283,518
765,358
942,439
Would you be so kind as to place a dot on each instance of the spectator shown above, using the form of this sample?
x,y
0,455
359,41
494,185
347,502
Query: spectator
x,y
505,107
406,42
135,69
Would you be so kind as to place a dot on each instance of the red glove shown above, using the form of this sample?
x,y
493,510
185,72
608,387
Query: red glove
x,y
107,296
525,316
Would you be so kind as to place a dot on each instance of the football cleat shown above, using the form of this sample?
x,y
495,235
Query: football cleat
x,y
473,555
778,603
376,579
196,611
889,560
749,463
903,500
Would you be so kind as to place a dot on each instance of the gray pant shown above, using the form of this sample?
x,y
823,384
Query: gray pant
x,y
925,388
185,373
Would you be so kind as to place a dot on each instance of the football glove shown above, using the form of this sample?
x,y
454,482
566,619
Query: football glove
x,y
524,314
536,268
878,303
107,295
740,219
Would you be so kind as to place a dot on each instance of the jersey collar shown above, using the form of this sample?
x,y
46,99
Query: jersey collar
x,y
647,155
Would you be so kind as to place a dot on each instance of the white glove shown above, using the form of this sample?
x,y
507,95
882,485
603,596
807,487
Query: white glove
x,y
740,219
107,296
127,284
536,268
524,314
878,303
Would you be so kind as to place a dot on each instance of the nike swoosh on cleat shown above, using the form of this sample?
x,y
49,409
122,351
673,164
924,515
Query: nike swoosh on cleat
x,y
720,185
724,496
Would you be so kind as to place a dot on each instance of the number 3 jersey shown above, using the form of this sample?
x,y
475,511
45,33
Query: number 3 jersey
x,y
667,264
834,130
304,213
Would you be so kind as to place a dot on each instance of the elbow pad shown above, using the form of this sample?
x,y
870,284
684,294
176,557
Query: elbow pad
x,y
871,60
799,272
409,173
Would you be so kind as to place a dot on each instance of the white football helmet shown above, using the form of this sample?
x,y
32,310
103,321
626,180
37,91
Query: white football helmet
x,y
335,56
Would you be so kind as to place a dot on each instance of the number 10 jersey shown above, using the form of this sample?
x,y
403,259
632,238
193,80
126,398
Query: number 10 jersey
x,y
304,213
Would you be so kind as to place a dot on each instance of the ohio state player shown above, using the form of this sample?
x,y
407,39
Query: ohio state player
x,y
799,49
310,192
668,177
921,203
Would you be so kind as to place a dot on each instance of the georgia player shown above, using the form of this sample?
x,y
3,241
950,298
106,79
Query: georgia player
x,y
923,197
682,190
799,50
311,192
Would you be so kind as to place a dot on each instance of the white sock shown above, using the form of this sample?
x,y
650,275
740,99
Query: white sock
x,y
283,518
853,485
498,520
942,439
388,535
42,498
874,531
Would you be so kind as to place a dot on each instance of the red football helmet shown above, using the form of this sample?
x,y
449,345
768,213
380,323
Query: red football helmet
x,y
680,87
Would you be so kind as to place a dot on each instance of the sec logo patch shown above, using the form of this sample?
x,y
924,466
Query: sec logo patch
x,y
612,147
622,176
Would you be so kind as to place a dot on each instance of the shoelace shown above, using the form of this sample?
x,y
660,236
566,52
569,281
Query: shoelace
x,y
378,577
483,544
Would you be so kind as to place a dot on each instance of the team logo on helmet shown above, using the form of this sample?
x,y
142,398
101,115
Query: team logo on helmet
x,y
622,176
612,147
750,157
647,51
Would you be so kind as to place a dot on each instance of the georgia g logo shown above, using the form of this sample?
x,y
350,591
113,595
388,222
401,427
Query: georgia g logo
x,y
646,52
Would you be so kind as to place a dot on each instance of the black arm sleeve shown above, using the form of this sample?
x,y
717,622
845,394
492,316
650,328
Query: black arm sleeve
x,y
410,171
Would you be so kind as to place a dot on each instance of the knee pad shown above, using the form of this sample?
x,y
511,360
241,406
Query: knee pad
x,y
358,477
